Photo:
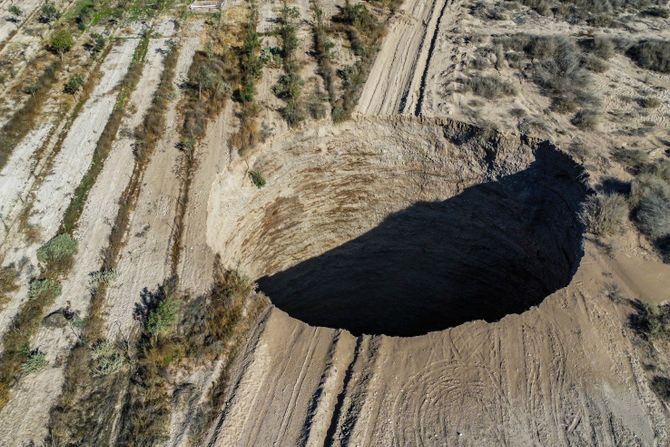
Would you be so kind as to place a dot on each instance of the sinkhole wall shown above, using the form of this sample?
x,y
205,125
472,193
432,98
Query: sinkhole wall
x,y
401,226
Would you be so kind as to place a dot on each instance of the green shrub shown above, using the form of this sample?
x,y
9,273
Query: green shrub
x,y
257,179
289,86
31,88
74,84
96,44
293,113
34,362
44,289
106,359
48,13
15,11
106,277
61,42
58,252
557,66
604,214
162,319
651,320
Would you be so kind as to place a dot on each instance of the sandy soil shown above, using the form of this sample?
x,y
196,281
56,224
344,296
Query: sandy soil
x,y
92,237
461,34
566,370
7,27
145,260
69,166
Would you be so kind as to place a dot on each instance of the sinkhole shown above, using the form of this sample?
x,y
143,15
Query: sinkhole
x,y
403,229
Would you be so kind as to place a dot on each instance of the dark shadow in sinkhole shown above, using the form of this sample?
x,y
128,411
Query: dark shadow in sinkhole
x,y
497,248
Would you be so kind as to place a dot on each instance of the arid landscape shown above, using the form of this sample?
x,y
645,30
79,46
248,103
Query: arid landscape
x,y
334,223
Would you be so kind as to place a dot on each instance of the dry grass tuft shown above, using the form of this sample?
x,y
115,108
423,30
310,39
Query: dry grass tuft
x,y
604,214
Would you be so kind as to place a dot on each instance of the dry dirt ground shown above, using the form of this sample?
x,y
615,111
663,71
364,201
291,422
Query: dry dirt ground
x,y
429,280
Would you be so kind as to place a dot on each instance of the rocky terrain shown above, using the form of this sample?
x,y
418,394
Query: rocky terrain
x,y
375,222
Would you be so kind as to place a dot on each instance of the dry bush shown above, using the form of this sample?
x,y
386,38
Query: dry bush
x,y
650,196
489,87
586,119
598,13
203,329
632,159
599,46
9,277
653,214
25,118
323,51
648,102
661,386
650,320
604,214
556,65
651,54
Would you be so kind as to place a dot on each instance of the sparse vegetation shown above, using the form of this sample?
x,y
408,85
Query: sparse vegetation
x,y
56,255
96,371
257,179
323,52
102,277
364,33
651,54
489,87
604,214
289,86
96,43
199,331
74,84
651,320
586,119
49,13
21,122
650,198
9,278
35,361
250,69
556,66
61,42
107,137
661,386
106,359
597,13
